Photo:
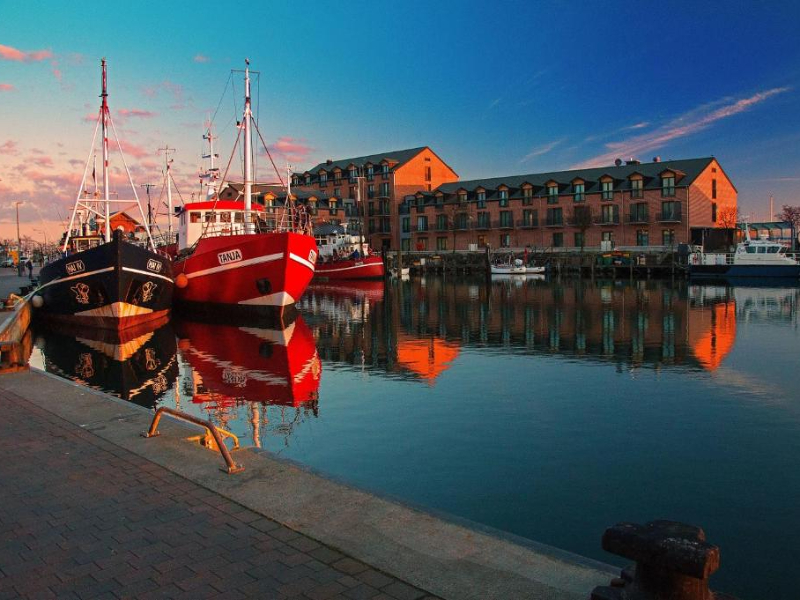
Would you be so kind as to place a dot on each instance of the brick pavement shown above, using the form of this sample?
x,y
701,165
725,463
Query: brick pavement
x,y
83,518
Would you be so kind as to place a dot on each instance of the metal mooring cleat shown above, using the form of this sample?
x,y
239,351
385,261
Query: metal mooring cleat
x,y
673,562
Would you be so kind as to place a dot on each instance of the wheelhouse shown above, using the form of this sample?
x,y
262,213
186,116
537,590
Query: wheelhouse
x,y
213,219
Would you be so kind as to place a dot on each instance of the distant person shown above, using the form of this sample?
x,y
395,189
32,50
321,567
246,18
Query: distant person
x,y
20,267
29,266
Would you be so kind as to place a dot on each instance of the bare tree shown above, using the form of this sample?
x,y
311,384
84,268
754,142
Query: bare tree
x,y
728,217
581,218
791,214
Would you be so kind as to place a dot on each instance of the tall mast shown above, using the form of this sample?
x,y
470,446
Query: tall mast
x,y
210,174
248,176
104,119
168,174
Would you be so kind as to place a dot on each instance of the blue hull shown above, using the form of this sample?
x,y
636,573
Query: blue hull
x,y
722,271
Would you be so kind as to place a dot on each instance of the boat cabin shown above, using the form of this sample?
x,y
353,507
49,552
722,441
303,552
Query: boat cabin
x,y
211,219
335,240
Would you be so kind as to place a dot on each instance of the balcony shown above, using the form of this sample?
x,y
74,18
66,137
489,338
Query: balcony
x,y
554,222
669,216
483,224
637,219
420,229
527,223
504,224
607,220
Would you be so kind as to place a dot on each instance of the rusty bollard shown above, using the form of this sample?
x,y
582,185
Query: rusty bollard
x,y
673,562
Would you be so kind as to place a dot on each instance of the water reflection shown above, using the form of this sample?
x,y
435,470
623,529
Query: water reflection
x,y
137,365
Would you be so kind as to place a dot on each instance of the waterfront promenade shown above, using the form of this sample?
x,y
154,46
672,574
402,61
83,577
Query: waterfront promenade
x,y
92,509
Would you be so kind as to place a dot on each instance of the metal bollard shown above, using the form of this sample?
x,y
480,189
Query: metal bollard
x,y
673,562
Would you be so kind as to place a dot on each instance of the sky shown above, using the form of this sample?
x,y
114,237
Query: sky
x,y
495,88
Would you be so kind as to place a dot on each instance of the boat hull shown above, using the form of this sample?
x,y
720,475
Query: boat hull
x,y
255,272
112,286
496,270
370,267
750,271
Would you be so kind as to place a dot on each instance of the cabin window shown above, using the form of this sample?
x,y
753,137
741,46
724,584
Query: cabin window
x,y
209,216
238,217
773,249
225,217
194,217
762,250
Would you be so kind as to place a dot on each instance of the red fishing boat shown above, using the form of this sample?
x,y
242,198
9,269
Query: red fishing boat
x,y
343,255
233,255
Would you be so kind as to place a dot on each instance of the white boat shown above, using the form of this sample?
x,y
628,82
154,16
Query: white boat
x,y
517,267
753,258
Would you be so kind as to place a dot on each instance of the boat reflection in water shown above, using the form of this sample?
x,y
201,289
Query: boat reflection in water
x,y
250,380
137,364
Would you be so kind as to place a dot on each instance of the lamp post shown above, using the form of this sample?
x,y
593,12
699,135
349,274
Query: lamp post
x,y
19,241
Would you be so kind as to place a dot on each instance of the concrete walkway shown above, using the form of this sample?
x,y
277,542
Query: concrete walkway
x,y
89,506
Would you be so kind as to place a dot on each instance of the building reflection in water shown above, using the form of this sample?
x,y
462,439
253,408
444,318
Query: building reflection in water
x,y
138,364
266,378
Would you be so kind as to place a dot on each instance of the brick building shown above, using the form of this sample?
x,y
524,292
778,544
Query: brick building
x,y
385,179
629,204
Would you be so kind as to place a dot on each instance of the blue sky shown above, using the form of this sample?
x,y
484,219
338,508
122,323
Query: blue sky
x,y
495,88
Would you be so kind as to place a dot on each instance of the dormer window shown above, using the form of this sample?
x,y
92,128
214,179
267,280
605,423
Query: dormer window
x,y
337,176
370,172
668,185
552,193
481,198
462,197
323,178
580,194
637,188
385,171
503,194
527,195
353,174
607,189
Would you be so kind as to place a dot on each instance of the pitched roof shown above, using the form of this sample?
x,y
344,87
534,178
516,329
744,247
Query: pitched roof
x,y
399,156
688,168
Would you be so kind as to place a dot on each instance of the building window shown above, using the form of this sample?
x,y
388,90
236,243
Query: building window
x,y
558,239
606,190
385,190
385,171
441,222
639,213
580,195
481,198
668,186
441,243
713,212
462,221
503,198
580,239
405,244
552,194
323,179
308,179
609,214
337,176
668,237
506,218
642,237
607,236
527,196
427,173
353,174
371,191
555,216
406,224
422,223
505,240
637,189
352,192
713,189
483,220
529,218
670,211
337,192
462,197
439,200
422,244
370,173
482,241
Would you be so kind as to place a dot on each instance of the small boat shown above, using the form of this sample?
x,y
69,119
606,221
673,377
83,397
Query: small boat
x,y
234,255
753,259
515,267
105,280
344,255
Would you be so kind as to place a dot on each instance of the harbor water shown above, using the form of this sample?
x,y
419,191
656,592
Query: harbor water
x,y
547,410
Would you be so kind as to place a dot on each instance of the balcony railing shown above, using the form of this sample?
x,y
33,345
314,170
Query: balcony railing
x,y
483,224
554,222
503,224
637,219
419,228
607,220
527,223
669,216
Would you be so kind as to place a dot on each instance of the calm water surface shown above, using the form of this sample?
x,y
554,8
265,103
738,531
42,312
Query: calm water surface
x,y
548,410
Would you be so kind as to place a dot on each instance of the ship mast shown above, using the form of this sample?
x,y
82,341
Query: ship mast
x,y
248,176
104,123
168,174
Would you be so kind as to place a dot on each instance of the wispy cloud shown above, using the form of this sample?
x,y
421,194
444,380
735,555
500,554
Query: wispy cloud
x,y
9,147
540,150
201,58
6,87
131,149
135,112
687,124
13,54
290,149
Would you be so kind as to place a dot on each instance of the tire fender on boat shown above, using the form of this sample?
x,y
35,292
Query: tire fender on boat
x,y
181,281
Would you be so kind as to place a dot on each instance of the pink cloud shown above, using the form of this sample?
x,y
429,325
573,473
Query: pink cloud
x,y
9,53
6,87
149,164
131,149
9,147
90,117
291,149
201,58
135,112
42,161
682,126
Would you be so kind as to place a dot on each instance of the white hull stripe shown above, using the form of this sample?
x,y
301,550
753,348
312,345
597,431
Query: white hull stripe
x,y
148,273
366,266
71,277
302,261
236,265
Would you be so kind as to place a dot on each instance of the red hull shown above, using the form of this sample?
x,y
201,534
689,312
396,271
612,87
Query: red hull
x,y
249,271
370,267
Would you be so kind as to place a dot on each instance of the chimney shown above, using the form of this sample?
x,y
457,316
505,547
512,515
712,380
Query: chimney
x,y
329,162
632,161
